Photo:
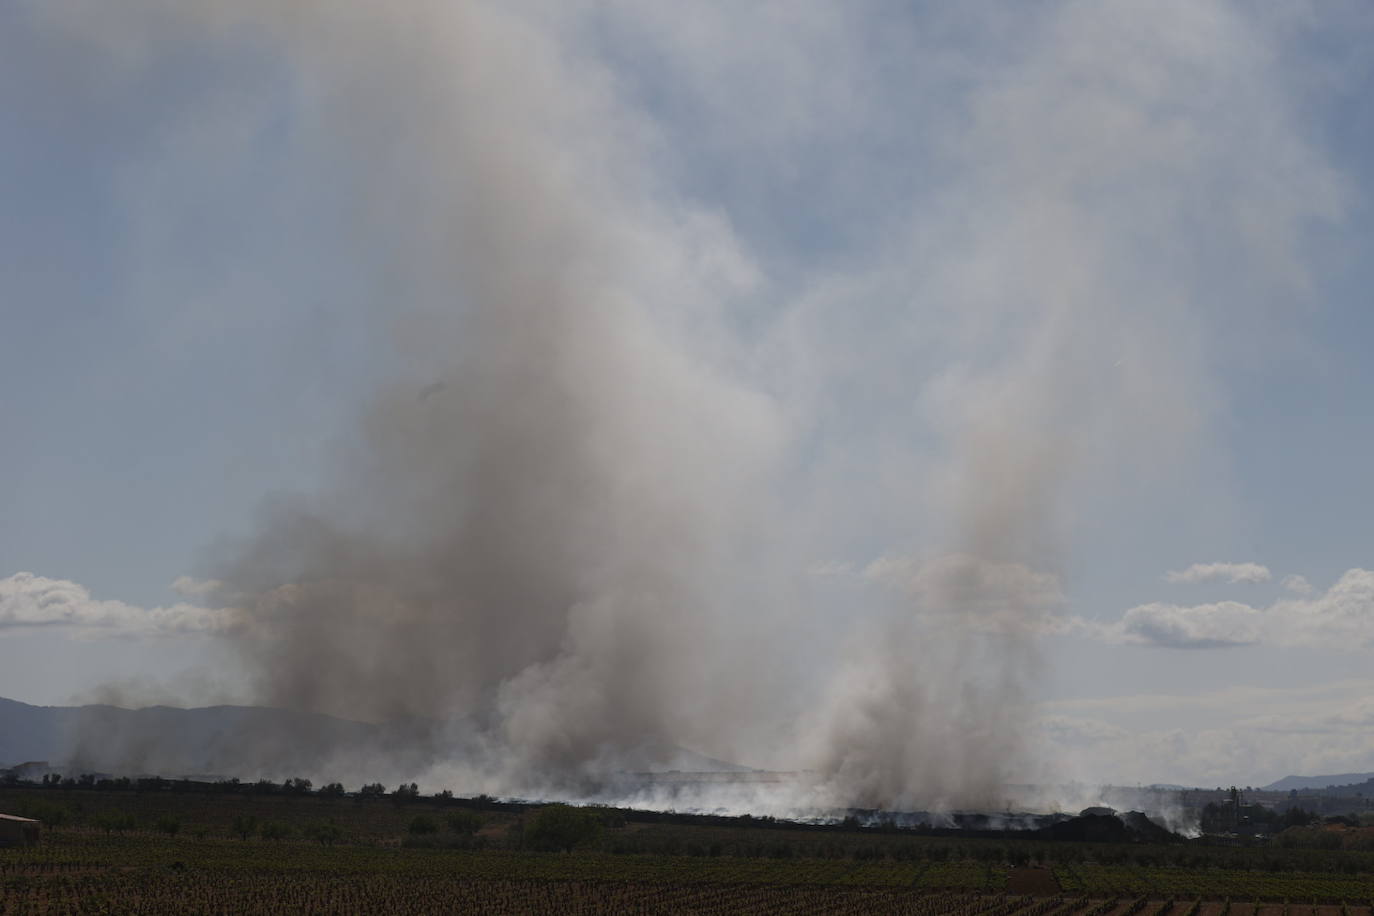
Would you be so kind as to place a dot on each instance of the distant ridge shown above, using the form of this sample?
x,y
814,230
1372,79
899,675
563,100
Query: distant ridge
x,y
245,741
1288,783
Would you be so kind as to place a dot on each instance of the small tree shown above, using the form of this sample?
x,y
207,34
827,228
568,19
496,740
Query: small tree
x,y
1296,817
326,833
50,813
464,823
275,830
169,825
423,824
245,825
561,827
115,821
332,790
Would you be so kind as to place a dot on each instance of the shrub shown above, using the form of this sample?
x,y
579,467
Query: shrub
x,y
274,830
115,821
561,827
423,824
464,823
326,833
50,813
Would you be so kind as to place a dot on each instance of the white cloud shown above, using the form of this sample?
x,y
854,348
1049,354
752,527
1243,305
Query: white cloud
x,y
1203,626
30,601
1343,617
188,587
1217,572
1298,585
1340,618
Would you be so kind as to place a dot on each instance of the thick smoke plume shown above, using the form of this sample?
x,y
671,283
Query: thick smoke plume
x,y
1080,323
572,527
530,544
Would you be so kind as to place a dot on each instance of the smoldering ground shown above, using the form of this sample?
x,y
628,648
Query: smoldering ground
x,y
623,416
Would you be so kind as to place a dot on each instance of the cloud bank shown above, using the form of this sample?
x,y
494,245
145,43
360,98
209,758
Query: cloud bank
x,y
30,601
1340,618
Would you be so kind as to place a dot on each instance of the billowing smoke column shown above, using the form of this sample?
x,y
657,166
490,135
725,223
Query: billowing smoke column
x,y
572,530
530,543
1077,316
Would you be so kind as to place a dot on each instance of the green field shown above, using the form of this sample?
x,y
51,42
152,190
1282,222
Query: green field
x,y
207,852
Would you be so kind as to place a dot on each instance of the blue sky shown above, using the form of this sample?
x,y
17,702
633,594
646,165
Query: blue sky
x,y
1131,237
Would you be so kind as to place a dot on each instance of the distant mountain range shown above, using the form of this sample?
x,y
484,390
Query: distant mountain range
x,y
251,742
242,741
1301,783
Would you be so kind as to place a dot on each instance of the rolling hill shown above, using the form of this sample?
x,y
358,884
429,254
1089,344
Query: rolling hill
x,y
1288,783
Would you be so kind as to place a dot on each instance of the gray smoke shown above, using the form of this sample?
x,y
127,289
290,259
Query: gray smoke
x,y
528,543
1079,317
571,526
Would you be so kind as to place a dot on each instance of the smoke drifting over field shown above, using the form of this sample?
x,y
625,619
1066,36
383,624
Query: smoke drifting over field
x,y
573,526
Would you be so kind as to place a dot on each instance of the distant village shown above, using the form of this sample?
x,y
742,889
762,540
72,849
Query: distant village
x,y
1251,812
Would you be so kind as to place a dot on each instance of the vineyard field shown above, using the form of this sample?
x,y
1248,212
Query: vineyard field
x,y
157,853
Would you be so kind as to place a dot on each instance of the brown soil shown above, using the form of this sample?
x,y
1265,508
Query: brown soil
x,y
1032,880
1181,907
